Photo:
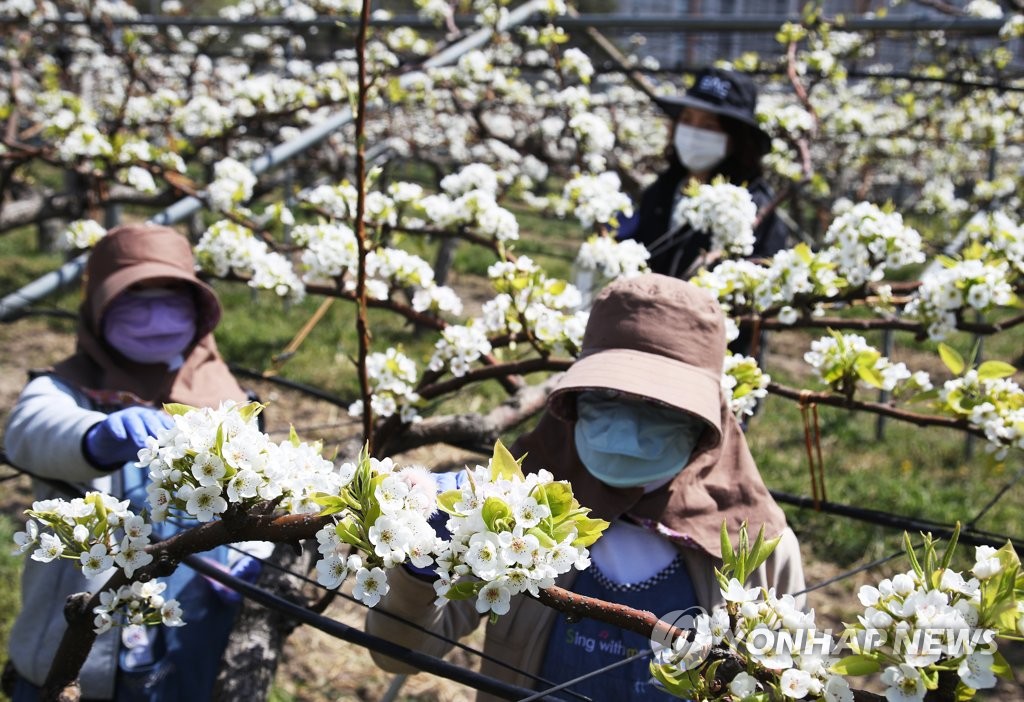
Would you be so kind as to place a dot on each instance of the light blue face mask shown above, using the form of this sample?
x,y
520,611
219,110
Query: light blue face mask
x,y
630,443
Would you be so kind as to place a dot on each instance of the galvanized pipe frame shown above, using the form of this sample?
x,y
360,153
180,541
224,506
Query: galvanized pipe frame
x,y
755,23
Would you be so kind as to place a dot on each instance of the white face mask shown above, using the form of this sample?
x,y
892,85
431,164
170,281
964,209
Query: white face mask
x,y
699,150
627,443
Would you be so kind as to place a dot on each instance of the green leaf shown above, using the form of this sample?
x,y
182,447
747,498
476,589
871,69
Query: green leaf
x,y
761,549
349,532
465,589
332,504
249,410
293,436
993,370
557,496
503,465
857,664
728,555
545,540
952,358
909,548
1001,667
870,375
947,555
493,511
219,443
176,408
448,499
588,531
680,687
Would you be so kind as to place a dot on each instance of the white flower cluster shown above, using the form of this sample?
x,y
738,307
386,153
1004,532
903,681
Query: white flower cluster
x,y
934,620
972,283
938,196
135,605
97,530
212,458
528,301
458,347
405,498
986,9
725,210
393,377
503,539
864,241
577,63
389,267
203,116
613,258
84,234
595,138
330,250
228,247
840,360
993,404
475,176
595,199
84,141
775,636
744,384
476,209
232,185
1002,235
742,286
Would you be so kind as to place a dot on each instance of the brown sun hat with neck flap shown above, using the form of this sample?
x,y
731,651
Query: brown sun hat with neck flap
x,y
659,339
656,338
147,254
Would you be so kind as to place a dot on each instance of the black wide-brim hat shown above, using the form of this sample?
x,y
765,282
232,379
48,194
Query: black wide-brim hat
x,y
724,93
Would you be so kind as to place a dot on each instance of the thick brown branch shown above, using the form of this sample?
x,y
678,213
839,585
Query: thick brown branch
x,y
471,430
531,365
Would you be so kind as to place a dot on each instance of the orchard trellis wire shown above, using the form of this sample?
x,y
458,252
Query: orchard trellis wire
x,y
968,532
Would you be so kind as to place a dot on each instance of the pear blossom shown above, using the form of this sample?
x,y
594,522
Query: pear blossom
x,y
371,585
95,561
904,684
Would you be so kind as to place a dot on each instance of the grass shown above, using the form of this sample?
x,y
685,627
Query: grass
x,y
10,592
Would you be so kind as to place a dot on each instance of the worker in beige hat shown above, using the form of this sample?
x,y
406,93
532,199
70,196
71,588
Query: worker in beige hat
x,y
641,428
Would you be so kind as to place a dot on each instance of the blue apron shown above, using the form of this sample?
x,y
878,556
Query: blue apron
x,y
579,647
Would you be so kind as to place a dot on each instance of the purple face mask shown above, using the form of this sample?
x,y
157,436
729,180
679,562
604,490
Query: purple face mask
x,y
155,325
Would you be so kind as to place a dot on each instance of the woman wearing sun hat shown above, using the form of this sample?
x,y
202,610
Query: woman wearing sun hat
x,y
145,337
641,428
713,132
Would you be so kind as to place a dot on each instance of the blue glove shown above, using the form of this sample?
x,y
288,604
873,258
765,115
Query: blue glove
x,y
118,438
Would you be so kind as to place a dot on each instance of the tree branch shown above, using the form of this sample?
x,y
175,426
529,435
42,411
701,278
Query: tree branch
x,y
833,400
472,430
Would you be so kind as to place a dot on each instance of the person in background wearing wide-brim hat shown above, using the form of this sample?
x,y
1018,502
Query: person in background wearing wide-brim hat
x,y
713,132
641,428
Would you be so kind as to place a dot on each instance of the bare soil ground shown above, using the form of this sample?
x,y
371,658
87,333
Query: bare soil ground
x,y
315,666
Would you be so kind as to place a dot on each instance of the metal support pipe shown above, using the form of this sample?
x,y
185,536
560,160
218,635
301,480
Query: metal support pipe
x,y
13,304
756,23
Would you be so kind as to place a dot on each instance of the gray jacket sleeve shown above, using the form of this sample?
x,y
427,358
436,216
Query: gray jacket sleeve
x,y
44,432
